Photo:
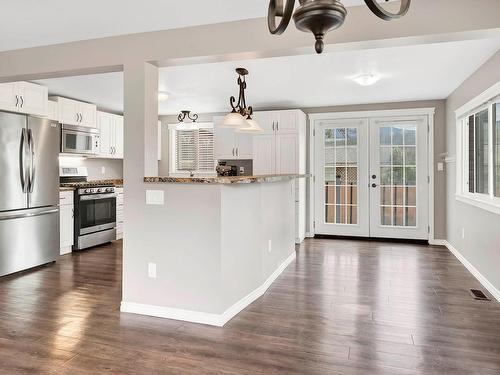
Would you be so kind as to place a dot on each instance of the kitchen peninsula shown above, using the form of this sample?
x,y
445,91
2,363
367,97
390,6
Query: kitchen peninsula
x,y
224,240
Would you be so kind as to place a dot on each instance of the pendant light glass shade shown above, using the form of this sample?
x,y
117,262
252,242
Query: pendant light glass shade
x,y
233,120
251,127
187,126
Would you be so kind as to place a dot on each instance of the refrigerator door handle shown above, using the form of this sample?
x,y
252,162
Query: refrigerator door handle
x,y
22,161
23,214
32,170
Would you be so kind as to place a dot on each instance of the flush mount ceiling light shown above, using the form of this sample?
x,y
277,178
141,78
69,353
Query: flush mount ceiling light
x,y
241,116
320,16
366,79
162,96
183,124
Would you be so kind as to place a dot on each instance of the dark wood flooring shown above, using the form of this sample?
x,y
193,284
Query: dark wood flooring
x,y
343,307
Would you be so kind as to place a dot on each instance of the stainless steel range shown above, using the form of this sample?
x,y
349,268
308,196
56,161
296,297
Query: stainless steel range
x,y
95,208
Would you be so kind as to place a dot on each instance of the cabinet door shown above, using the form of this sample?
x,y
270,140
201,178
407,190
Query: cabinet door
x,y
66,228
267,121
159,140
52,113
33,98
87,114
287,122
118,127
105,125
8,92
287,153
244,145
264,154
68,111
224,141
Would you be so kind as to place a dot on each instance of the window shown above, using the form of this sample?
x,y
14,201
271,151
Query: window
x,y
192,150
478,152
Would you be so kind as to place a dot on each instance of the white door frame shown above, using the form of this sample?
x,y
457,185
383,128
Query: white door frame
x,y
316,117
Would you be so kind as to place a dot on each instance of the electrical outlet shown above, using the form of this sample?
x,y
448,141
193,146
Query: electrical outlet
x,y
103,170
463,233
440,166
152,270
269,246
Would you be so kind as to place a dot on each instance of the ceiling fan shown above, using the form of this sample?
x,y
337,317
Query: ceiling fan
x,y
321,16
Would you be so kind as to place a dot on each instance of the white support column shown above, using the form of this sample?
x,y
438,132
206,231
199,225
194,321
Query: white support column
x,y
140,159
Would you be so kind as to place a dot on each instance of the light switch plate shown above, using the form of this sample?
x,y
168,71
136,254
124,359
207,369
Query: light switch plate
x,y
155,197
103,170
440,166
152,270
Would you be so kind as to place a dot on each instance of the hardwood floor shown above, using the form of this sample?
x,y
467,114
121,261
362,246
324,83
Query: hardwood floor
x,y
343,307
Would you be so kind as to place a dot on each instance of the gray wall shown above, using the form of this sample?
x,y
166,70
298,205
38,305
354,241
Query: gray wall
x,y
481,245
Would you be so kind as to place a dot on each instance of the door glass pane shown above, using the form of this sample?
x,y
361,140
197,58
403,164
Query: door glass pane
x,y
398,178
496,149
481,125
341,176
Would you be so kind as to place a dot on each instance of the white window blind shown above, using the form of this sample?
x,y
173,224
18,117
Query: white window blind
x,y
195,150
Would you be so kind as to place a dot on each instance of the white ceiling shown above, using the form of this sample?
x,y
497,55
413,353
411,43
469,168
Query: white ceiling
x,y
29,23
407,73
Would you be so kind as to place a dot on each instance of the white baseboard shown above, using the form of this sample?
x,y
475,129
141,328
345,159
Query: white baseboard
x,y
437,242
483,280
218,320
309,235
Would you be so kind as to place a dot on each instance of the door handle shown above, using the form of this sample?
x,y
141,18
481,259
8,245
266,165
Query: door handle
x,y
17,100
22,161
277,126
233,151
31,145
374,185
273,125
236,151
22,101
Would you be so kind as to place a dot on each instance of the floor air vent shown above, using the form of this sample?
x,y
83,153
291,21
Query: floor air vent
x,y
479,295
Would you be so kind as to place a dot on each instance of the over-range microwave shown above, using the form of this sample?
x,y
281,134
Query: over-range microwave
x,y
79,140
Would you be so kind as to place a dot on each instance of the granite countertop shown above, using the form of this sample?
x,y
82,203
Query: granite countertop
x,y
223,179
117,182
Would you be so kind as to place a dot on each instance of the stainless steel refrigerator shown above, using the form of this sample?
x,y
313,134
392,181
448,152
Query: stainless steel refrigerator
x,y
29,192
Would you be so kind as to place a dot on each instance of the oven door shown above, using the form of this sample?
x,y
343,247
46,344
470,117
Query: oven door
x,y
76,140
96,213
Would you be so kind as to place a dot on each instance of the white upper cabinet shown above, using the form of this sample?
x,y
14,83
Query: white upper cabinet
x,y
287,122
52,112
230,144
264,154
111,135
118,133
74,112
159,140
24,97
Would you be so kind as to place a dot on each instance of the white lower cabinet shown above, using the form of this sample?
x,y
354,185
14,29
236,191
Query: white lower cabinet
x,y
119,213
66,214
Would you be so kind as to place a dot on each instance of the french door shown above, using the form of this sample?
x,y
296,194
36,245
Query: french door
x,y
371,177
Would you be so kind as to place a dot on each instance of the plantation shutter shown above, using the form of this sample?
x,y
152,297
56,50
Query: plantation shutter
x,y
195,150
206,150
187,153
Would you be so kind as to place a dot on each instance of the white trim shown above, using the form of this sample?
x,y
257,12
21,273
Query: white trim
x,y
316,117
473,270
488,204
380,113
218,320
309,235
479,100
436,242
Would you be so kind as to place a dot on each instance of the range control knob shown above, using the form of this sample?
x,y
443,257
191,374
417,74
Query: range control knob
x,y
86,191
99,190
109,190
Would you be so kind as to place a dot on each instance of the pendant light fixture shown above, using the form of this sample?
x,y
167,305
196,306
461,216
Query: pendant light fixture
x,y
320,16
240,117
183,124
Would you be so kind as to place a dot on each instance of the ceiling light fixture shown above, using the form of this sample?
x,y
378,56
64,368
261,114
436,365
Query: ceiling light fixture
x,y
320,16
241,116
182,125
366,79
162,96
